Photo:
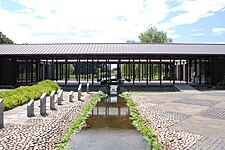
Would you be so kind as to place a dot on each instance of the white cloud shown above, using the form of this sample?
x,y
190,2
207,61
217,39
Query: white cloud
x,y
61,17
194,10
172,34
99,20
218,31
197,34
196,30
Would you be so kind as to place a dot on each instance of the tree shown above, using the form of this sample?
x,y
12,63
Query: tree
x,y
4,39
152,35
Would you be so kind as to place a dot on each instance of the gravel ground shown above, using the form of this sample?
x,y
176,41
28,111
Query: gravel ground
x,y
160,121
43,132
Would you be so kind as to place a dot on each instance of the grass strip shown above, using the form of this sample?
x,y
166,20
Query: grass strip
x,y
140,125
79,123
24,94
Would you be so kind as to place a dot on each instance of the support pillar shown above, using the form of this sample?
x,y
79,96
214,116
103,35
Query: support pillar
x,y
147,71
160,71
184,71
133,71
177,70
174,72
66,72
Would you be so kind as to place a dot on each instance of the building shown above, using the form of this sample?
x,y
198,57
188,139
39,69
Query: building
x,y
201,64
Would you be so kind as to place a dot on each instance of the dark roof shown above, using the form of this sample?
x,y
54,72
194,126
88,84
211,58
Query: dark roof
x,y
112,48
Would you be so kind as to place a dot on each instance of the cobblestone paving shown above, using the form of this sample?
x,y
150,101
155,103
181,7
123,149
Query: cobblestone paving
x,y
174,115
215,113
198,102
42,132
207,143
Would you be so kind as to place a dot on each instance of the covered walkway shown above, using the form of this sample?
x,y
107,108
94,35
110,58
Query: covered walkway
x,y
102,63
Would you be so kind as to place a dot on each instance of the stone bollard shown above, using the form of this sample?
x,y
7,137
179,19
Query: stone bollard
x,y
59,97
58,91
43,104
71,96
62,94
1,113
88,88
79,92
52,100
30,108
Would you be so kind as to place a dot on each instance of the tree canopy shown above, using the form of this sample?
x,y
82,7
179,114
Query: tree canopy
x,y
153,35
4,39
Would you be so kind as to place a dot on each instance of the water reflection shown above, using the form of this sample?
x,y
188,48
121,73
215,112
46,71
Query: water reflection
x,y
110,112
109,127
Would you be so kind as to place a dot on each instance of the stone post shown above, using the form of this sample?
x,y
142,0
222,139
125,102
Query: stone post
x,y
30,108
52,100
79,92
58,91
1,113
88,87
59,97
71,96
62,94
43,104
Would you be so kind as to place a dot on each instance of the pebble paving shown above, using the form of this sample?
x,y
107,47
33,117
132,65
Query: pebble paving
x,y
160,121
42,132
214,112
175,115
198,102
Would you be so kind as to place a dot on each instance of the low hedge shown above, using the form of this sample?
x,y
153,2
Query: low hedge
x,y
24,94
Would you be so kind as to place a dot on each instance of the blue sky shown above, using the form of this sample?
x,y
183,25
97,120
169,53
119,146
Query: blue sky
x,y
47,21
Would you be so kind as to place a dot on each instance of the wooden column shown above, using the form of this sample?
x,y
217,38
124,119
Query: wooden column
x,y
66,71
147,71
92,71
78,70
106,70
129,71
150,76
87,71
200,72
142,71
180,71
26,71
32,69
57,70
53,74
174,72
133,71
139,70
170,70
186,71
160,71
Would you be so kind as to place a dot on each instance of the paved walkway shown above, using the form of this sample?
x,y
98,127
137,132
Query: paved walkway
x,y
185,120
38,132
183,87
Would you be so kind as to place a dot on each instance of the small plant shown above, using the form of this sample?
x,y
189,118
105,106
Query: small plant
x,y
79,122
24,94
139,123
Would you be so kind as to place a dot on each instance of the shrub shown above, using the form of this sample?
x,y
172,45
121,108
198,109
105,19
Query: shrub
x,y
24,94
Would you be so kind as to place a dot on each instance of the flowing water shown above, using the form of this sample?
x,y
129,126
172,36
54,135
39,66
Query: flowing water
x,y
109,128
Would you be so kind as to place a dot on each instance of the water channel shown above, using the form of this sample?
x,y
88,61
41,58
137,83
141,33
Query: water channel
x,y
109,128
